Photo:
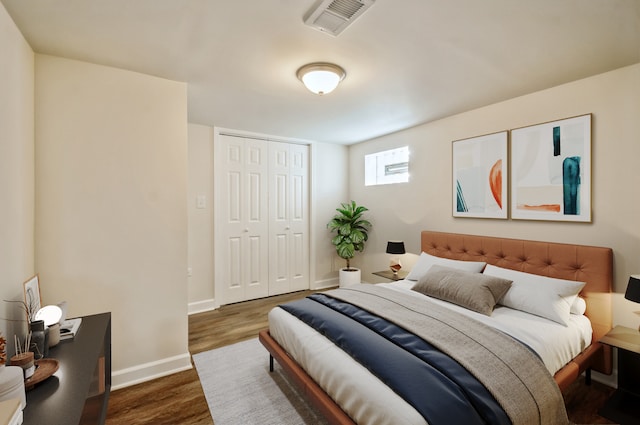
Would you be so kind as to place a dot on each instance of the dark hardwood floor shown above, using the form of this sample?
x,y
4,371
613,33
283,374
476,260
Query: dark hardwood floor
x,y
178,399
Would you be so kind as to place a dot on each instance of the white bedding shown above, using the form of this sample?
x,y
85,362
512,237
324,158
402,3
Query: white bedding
x,y
555,344
368,401
358,392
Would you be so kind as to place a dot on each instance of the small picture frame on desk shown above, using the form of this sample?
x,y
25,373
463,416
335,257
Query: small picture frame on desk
x,y
32,297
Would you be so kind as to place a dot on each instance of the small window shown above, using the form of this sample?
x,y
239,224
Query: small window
x,y
387,167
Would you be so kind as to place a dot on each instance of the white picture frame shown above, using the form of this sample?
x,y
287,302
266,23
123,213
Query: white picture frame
x,y
551,171
479,181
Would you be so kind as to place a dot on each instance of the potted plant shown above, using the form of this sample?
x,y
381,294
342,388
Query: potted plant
x,y
351,234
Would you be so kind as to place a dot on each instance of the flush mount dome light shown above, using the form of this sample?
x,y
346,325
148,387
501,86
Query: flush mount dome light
x,y
321,78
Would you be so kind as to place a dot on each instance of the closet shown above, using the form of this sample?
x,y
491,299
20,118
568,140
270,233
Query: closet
x,y
261,214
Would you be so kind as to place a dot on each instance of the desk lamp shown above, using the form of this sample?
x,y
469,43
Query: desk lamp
x,y
633,290
395,248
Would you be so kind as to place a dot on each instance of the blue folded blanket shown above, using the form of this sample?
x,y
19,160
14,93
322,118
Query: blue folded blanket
x,y
437,386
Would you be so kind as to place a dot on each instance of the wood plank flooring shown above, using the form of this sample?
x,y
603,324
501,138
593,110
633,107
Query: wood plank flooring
x,y
178,399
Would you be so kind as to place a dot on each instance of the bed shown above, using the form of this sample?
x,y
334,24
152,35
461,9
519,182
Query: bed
x,y
294,343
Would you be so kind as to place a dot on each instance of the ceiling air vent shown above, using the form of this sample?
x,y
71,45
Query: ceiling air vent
x,y
333,16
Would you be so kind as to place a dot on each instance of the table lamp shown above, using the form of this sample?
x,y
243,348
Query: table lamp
x,y
633,289
395,248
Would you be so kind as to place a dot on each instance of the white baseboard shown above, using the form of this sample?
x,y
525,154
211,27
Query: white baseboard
x,y
148,371
325,284
201,306
608,380
210,304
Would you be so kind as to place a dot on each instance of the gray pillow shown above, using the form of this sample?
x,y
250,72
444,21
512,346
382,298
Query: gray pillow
x,y
475,291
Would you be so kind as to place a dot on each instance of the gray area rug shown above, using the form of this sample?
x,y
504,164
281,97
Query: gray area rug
x,y
240,389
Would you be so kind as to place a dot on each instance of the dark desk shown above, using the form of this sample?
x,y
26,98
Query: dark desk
x,y
78,393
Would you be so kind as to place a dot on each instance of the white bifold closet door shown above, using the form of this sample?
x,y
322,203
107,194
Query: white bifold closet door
x,y
262,225
242,252
288,218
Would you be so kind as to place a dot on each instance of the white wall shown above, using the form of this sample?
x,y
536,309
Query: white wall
x,y
111,216
401,211
330,188
16,172
201,288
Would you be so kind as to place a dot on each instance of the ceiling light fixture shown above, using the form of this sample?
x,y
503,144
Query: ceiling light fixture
x,y
320,77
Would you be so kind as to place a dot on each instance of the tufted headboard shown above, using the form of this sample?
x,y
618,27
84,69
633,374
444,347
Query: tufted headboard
x,y
590,264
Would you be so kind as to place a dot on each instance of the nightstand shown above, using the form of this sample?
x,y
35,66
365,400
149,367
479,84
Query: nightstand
x,y
388,274
623,406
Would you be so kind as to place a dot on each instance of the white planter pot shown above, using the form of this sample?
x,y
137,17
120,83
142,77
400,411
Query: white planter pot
x,y
349,276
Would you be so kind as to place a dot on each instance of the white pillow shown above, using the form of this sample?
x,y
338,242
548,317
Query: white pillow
x,y
579,306
425,261
543,296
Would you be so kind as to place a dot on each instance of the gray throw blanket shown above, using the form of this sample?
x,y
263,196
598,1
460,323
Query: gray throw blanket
x,y
513,374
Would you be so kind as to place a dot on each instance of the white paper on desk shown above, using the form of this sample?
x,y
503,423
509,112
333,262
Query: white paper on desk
x,y
69,328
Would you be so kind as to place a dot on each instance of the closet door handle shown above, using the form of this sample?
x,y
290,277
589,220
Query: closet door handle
x,y
246,230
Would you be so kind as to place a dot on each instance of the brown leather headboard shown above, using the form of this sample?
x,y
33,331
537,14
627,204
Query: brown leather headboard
x,y
590,264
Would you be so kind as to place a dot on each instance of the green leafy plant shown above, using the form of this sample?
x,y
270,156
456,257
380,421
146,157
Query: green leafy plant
x,y
351,230
3,350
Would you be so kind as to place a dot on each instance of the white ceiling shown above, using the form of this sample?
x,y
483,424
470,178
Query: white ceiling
x,y
407,61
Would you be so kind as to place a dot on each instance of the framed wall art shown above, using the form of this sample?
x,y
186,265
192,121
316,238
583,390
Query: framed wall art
x,y
479,176
551,171
32,298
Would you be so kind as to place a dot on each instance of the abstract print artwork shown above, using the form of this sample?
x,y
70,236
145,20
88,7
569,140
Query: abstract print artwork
x,y
551,171
480,176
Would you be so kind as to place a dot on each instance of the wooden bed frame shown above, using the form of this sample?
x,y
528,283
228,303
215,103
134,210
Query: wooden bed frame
x,y
593,265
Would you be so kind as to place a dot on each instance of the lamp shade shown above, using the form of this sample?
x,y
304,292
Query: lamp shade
x,y
395,247
321,78
50,314
633,289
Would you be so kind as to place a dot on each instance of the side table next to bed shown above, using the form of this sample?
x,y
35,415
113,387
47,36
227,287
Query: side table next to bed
x,y
624,405
388,274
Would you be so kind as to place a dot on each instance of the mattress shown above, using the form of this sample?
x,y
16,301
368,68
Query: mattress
x,y
367,400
